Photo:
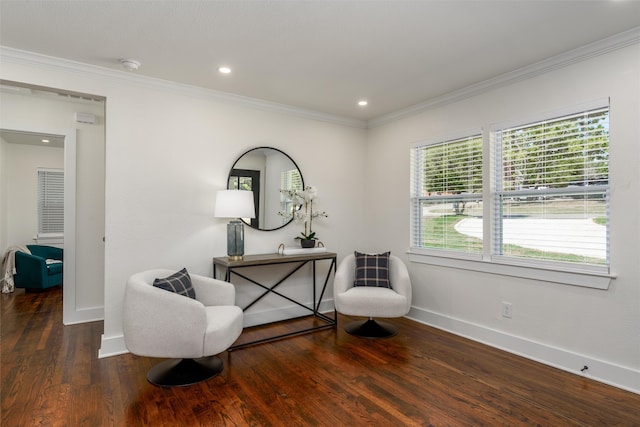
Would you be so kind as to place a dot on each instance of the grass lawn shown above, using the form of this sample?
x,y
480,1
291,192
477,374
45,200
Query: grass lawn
x,y
439,233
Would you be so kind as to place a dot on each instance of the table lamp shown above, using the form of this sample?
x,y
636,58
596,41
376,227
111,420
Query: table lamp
x,y
235,204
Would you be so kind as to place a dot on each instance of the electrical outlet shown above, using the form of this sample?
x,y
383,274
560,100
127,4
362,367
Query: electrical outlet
x,y
507,310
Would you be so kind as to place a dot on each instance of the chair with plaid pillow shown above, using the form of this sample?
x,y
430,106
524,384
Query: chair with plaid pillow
x,y
372,286
187,318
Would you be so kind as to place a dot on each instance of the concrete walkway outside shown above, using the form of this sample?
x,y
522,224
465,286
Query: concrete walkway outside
x,y
576,236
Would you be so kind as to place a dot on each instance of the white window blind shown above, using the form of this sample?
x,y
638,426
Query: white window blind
x,y
446,195
289,180
50,202
552,181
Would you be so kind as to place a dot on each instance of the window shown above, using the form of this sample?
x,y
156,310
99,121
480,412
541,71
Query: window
x,y
542,202
552,181
289,180
50,202
447,195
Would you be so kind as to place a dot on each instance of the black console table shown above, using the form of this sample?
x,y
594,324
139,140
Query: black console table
x,y
298,261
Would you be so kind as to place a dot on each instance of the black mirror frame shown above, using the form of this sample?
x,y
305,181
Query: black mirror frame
x,y
233,167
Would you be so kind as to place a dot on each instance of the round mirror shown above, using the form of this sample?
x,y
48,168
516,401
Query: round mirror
x,y
266,171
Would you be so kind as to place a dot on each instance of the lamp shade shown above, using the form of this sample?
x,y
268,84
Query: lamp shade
x,y
234,204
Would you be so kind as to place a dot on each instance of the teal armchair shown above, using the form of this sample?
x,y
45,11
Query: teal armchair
x,y
33,272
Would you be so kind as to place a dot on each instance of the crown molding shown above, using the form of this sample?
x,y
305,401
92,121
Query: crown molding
x,y
562,60
50,63
592,50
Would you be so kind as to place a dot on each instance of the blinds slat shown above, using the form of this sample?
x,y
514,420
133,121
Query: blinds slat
x,y
552,190
50,202
446,179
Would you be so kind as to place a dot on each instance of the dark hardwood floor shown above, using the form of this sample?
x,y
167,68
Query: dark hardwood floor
x,y
51,376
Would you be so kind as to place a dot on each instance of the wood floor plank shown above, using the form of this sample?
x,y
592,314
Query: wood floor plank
x,y
51,376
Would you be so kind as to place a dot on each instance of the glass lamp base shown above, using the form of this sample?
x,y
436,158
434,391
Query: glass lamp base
x,y
235,240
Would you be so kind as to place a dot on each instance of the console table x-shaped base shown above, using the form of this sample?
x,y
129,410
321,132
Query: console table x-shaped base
x,y
232,267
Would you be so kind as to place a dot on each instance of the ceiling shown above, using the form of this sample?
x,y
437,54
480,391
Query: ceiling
x,y
32,138
322,56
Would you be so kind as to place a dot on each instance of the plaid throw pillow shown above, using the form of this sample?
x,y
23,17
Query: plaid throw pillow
x,y
179,282
372,270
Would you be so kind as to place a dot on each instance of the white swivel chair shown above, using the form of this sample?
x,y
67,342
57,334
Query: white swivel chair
x,y
370,302
159,323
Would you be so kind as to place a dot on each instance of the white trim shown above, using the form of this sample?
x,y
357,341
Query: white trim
x,y
70,309
622,377
565,59
283,313
599,370
21,57
587,279
70,313
448,137
577,274
112,346
50,169
583,53
49,239
553,114
85,315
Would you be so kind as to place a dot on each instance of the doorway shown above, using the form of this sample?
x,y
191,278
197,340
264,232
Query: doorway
x,y
36,111
66,140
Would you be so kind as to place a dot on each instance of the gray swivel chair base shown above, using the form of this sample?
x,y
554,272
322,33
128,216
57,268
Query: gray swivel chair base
x,y
184,372
371,329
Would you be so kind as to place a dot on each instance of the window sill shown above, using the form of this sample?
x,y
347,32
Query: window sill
x,y
49,239
588,279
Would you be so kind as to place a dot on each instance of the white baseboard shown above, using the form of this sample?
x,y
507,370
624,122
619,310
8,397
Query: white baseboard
x,y
112,346
598,370
282,313
84,315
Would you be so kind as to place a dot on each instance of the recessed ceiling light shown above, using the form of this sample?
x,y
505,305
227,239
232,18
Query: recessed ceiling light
x,y
363,103
225,70
46,141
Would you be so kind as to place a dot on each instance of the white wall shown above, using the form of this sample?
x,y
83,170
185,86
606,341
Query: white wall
x,y
564,325
4,177
166,218
56,112
169,148
21,203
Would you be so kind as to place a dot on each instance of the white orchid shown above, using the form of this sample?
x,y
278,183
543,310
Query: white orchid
x,y
310,193
303,209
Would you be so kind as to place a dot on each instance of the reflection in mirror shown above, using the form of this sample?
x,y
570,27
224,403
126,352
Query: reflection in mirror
x,y
266,171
